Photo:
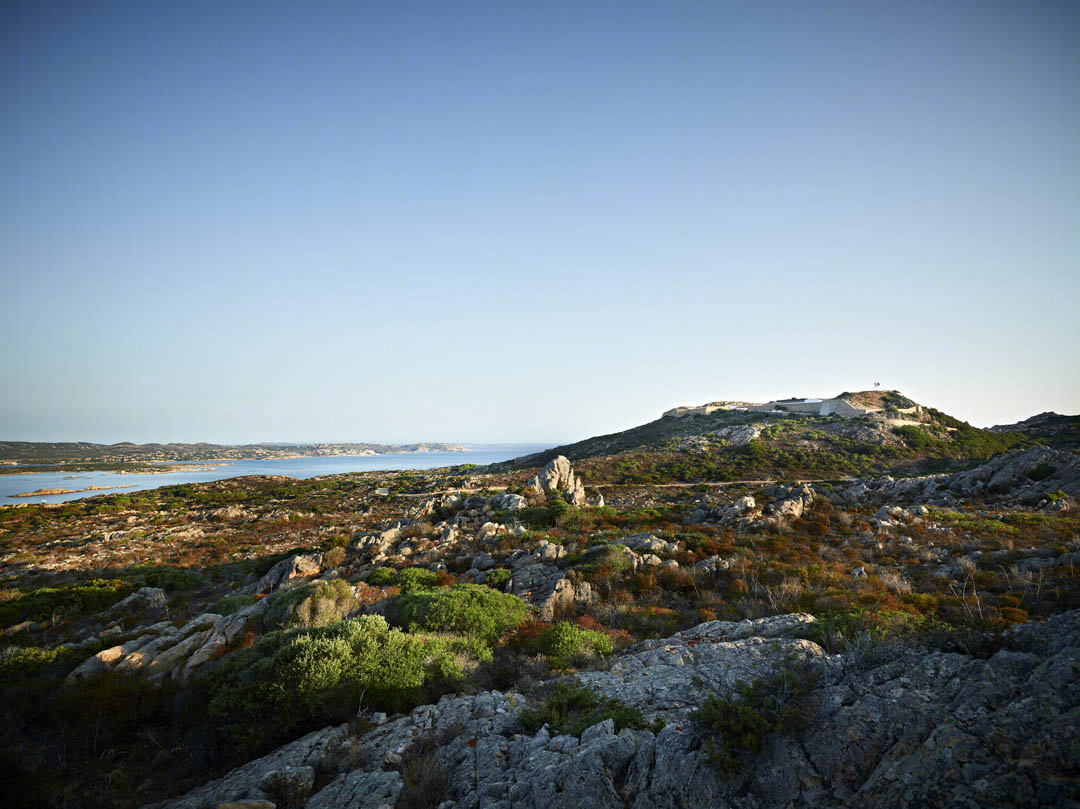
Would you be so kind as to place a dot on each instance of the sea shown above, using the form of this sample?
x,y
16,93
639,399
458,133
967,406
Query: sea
x,y
307,467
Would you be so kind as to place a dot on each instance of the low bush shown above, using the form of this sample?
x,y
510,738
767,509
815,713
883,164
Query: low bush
x,y
564,642
168,578
382,576
469,609
75,601
317,604
295,681
739,724
570,708
230,604
496,579
21,663
555,512
414,579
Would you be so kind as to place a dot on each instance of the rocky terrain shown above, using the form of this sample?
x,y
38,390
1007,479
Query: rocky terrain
x,y
545,636
910,729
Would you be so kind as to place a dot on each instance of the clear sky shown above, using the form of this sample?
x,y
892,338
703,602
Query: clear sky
x,y
536,222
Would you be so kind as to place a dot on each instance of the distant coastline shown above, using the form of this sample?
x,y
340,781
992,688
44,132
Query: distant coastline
x,y
48,492
25,457
170,473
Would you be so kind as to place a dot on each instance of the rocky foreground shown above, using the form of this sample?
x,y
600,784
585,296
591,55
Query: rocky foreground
x,y
538,639
893,726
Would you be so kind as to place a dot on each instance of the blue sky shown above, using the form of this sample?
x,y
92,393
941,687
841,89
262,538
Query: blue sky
x,y
473,222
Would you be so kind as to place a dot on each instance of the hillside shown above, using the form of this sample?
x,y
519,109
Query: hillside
x,y
1049,429
464,638
742,441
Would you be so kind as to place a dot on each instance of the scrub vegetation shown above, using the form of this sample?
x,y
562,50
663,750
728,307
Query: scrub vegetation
x,y
425,591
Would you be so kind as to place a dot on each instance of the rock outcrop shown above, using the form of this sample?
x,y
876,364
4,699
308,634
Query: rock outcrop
x,y
783,505
1023,477
557,478
910,729
289,573
535,580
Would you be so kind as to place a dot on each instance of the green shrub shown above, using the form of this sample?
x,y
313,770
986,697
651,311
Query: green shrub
x,y
298,680
570,708
382,576
1042,471
334,556
415,579
555,512
469,609
20,663
230,604
74,601
314,604
168,578
496,579
739,724
557,509
869,632
563,642
614,558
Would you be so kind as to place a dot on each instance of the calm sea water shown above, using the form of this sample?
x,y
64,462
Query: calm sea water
x,y
293,467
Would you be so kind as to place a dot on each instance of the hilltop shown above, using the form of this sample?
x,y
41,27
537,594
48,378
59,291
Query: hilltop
x,y
862,433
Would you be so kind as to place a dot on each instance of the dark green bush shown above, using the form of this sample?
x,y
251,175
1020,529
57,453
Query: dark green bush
x,y
414,579
739,724
20,663
74,601
469,609
571,708
555,512
171,579
298,680
496,579
563,642
230,604
382,576
1042,471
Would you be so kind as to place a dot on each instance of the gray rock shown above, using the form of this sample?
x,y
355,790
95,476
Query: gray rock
x,y
648,543
558,478
739,435
712,564
1020,477
295,781
509,502
310,752
289,572
547,551
359,788
744,504
489,531
546,587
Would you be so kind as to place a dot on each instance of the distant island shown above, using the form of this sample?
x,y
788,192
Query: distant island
x,y
17,456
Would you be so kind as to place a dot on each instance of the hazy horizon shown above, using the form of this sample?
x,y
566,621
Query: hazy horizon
x,y
241,222
467,441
